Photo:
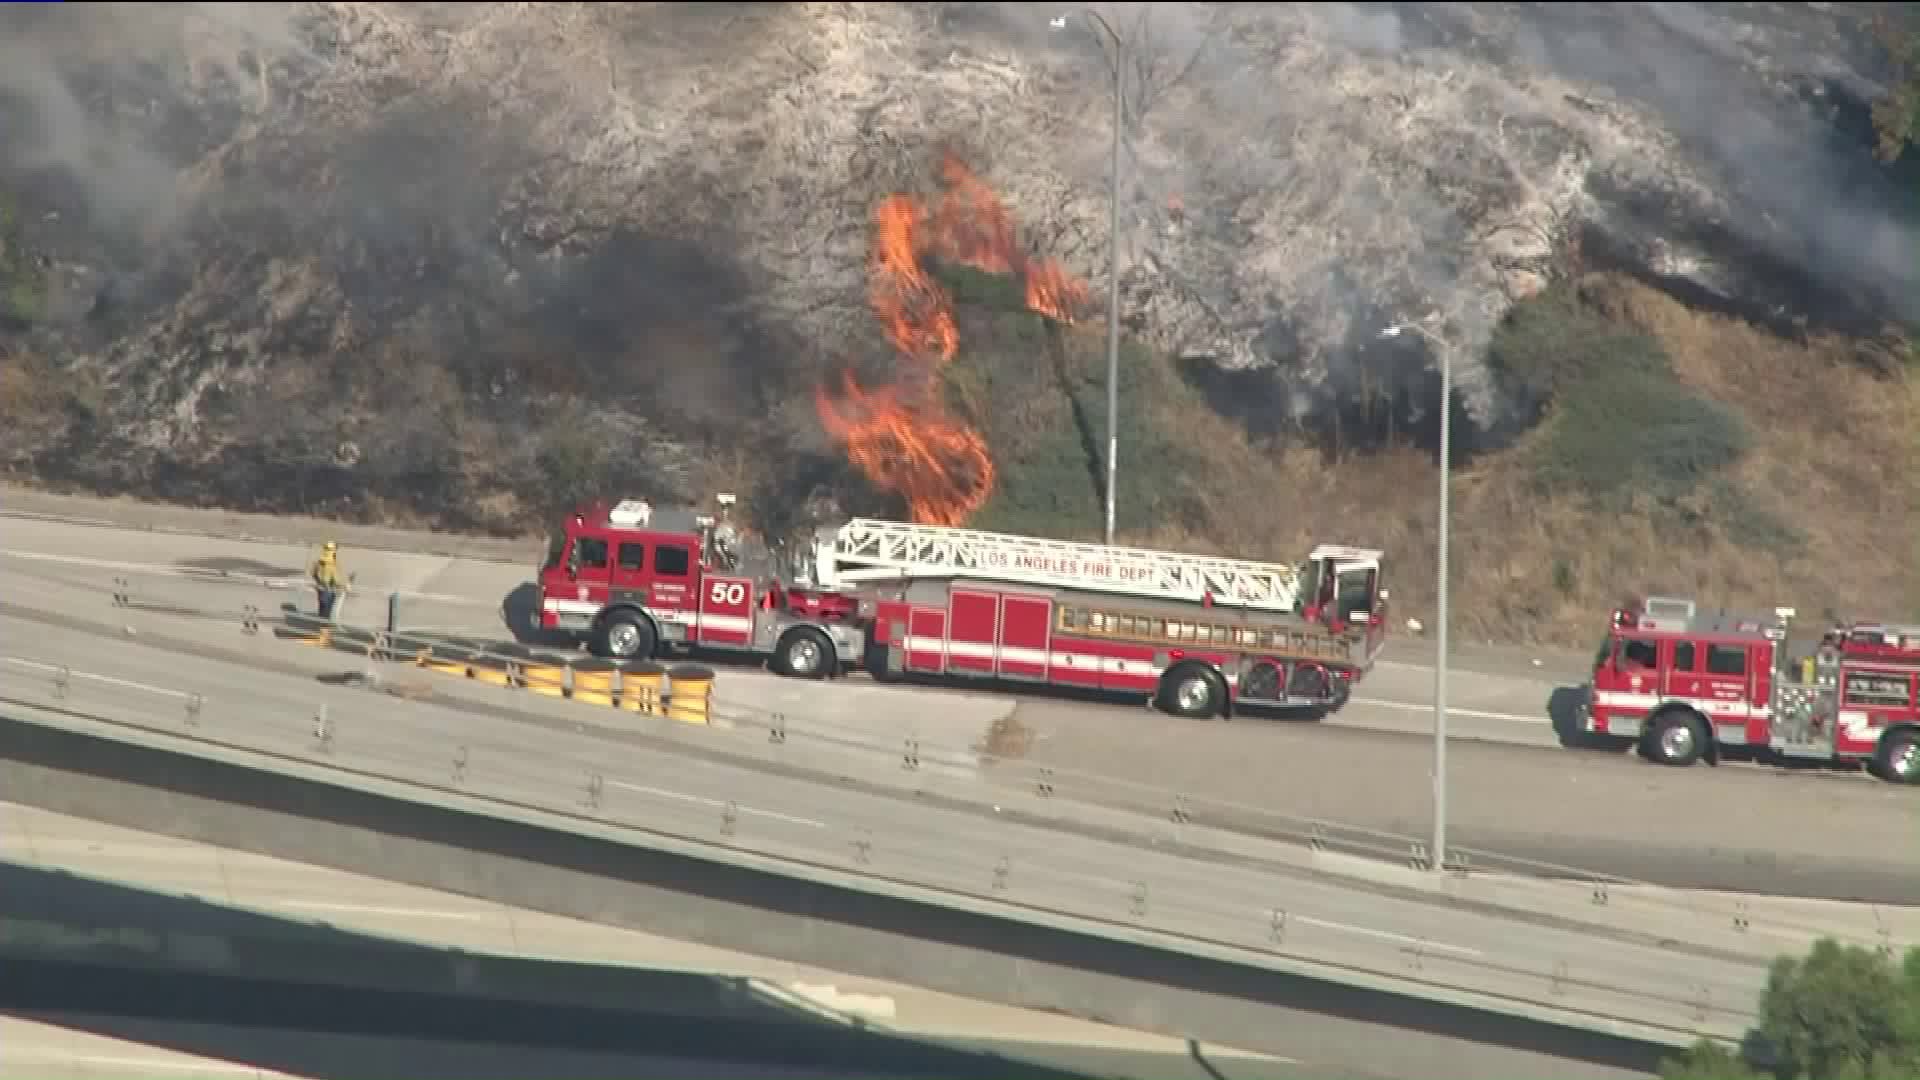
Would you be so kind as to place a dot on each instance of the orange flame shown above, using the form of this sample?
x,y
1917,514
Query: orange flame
x,y
900,436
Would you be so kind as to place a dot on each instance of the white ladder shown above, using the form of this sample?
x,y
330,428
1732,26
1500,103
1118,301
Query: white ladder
x,y
866,549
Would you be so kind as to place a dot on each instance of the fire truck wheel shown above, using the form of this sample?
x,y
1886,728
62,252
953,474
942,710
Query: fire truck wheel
x,y
1675,737
1898,759
803,653
624,635
1192,690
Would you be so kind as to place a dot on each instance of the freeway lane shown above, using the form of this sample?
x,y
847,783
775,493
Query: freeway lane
x,y
1501,695
1234,904
1736,828
297,897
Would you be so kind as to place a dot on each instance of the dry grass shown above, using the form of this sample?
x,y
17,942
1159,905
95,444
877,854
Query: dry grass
x,y
1832,457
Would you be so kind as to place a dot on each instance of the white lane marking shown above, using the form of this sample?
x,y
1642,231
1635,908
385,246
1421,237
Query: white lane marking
x,y
375,909
1387,935
163,570
17,1055
129,684
702,800
1478,714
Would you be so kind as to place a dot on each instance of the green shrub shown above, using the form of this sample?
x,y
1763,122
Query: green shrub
x,y
1552,341
1842,1012
1629,432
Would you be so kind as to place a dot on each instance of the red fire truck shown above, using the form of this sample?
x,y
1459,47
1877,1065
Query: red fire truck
x,y
1198,633
1681,685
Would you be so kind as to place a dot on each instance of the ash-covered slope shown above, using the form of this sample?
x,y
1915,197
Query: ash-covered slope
x,y
248,211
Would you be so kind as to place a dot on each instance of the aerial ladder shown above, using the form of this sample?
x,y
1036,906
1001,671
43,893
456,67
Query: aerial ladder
x,y
867,550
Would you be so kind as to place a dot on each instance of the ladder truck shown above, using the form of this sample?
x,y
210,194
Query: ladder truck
x,y
1197,634
1679,684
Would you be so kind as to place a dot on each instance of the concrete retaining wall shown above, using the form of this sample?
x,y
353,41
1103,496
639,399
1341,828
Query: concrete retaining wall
x,y
804,922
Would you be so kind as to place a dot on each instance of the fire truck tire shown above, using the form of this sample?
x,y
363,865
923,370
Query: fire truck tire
x,y
1898,758
625,635
803,653
1676,737
1192,690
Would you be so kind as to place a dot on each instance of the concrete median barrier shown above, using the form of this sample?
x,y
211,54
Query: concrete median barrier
x,y
690,694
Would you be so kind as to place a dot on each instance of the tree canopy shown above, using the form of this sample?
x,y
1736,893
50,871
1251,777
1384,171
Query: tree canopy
x,y
1841,1012
1896,116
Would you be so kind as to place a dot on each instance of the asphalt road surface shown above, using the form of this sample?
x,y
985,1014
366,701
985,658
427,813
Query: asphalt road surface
x,y
1511,789
1021,861
253,895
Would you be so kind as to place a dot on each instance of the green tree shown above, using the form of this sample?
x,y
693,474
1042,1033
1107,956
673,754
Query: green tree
x,y
1897,115
1842,1012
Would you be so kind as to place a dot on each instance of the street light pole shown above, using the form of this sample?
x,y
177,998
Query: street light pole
x,y
1438,862
1113,265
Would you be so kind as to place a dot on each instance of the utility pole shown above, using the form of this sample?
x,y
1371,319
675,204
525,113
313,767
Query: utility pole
x,y
1113,262
1439,859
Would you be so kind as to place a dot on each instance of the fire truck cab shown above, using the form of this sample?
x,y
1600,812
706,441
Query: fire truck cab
x,y
632,581
1681,685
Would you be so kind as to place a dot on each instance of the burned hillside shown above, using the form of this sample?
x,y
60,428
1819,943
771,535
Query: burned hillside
x,y
452,264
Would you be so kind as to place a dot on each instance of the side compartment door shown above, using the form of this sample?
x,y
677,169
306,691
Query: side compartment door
x,y
1026,630
726,612
927,640
1726,677
974,636
671,587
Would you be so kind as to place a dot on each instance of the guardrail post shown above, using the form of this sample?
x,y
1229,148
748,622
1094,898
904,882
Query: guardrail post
x,y
729,818
777,728
1317,837
1044,786
1277,926
596,787
323,729
62,683
1137,903
1181,815
1599,897
122,592
1415,955
1741,918
1000,871
250,619
910,760
195,703
460,759
393,612
863,847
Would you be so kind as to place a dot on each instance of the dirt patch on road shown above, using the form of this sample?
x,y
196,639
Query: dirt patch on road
x,y
1006,738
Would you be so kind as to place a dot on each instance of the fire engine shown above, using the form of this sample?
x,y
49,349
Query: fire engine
x,y
1680,685
1196,633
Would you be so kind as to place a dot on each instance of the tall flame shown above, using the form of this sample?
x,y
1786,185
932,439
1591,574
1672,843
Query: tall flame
x,y
901,436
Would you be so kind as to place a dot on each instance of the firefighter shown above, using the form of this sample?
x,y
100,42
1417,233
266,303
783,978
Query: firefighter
x,y
326,578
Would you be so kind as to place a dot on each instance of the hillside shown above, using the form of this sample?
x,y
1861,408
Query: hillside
x,y
457,264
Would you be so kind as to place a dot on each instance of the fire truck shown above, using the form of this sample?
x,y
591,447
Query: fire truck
x,y
1680,685
1197,634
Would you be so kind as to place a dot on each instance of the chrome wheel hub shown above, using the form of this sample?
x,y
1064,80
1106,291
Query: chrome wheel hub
x,y
1677,741
804,655
624,639
1194,694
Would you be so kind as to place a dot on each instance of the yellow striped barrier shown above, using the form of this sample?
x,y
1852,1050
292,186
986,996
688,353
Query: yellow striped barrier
x,y
690,696
547,680
642,688
597,686
683,693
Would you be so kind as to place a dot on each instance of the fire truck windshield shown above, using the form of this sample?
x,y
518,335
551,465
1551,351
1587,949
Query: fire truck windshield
x,y
556,544
1606,651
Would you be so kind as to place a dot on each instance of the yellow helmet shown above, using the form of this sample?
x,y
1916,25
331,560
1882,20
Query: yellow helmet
x,y
329,547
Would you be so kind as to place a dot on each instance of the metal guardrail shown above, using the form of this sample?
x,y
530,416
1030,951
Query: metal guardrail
x,y
918,763
1013,864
